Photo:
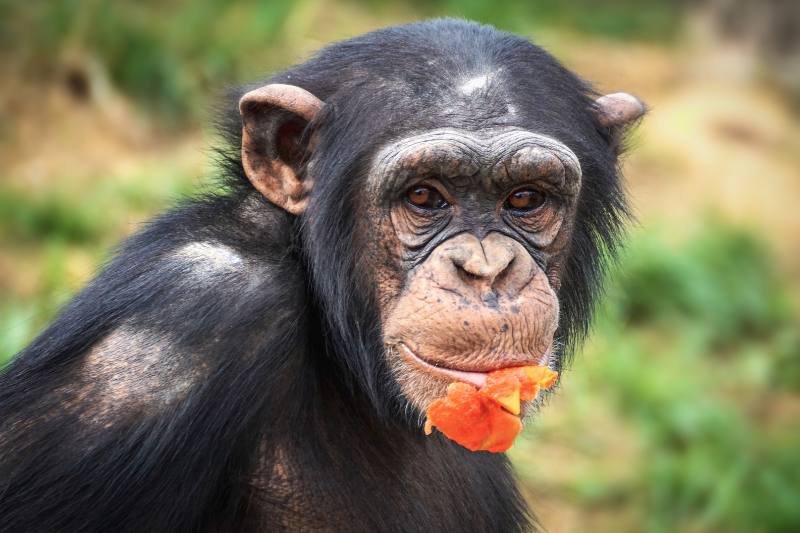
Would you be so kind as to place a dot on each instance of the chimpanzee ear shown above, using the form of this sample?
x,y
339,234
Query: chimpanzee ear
x,y
618,110
274,118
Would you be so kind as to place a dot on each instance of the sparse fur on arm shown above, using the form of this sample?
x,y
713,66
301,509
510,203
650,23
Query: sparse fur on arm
x,y
140,403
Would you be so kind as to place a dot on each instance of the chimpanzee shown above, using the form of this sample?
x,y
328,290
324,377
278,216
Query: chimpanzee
x,y
421,204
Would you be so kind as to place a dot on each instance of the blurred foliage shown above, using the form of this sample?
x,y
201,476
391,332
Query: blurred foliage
x,y
690,345
164,54
692,336
619,19
82,217
723,279
169,55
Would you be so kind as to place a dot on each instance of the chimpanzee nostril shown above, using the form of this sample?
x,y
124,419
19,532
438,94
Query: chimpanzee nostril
x,y
502,276
468,277
496,265
477,267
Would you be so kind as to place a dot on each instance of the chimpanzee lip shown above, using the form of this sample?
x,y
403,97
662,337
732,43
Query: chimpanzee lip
x,y
473,377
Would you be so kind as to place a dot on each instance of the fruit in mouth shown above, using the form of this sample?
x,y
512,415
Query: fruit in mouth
x,y
487,419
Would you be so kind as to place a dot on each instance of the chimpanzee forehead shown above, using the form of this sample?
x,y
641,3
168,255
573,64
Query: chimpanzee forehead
x,y
475,99
468,98
501,156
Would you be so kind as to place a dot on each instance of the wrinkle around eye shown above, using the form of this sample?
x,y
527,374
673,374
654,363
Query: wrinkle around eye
x,y
416,230
539,228
414,257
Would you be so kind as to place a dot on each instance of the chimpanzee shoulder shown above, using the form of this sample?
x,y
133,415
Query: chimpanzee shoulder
x,y
228,369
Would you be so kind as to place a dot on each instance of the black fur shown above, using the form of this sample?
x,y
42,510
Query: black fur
x,y
294,422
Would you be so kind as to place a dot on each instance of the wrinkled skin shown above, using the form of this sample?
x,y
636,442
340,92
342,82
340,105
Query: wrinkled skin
x,y
467,284
470,287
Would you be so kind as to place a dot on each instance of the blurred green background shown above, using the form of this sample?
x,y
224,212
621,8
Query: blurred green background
x,y
683,410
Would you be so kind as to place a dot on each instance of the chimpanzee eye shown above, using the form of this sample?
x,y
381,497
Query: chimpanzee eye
x,y
425,197
525,200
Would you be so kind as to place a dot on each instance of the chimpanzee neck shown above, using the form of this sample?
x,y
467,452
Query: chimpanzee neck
x,y
339,467
317,455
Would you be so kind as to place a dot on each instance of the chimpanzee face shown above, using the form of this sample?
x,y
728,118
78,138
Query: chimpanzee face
x,y
473,224
466,230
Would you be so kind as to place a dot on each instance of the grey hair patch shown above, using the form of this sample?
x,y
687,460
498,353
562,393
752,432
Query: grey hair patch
x,y
474,84
134,370
207,260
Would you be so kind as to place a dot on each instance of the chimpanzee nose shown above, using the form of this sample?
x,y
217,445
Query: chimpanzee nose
x,y
497,266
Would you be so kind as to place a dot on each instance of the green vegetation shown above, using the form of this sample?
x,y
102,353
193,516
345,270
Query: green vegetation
x,y
693,352
697,396
43,231
170,55
617,19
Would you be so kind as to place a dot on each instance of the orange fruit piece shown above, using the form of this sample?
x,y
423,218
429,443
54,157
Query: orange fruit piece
x,y
531,379
505,390
504,428
542,376
487,419
472,420
461,415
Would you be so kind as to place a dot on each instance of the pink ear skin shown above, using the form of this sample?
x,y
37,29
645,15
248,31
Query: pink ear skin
x,y
619,109
273,120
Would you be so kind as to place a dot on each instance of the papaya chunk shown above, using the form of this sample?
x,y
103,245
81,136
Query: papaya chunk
x,y
530,378
487,419
505,390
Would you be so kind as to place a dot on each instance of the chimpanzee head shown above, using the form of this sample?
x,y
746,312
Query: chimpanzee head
x,y
455,190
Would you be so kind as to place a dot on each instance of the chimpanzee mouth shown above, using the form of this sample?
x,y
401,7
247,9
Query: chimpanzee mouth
x,y
477,378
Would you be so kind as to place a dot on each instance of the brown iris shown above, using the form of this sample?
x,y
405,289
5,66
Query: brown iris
x,y
525,200
425,197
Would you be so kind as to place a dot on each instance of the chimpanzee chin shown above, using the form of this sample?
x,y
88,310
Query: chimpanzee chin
x,y
419,205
